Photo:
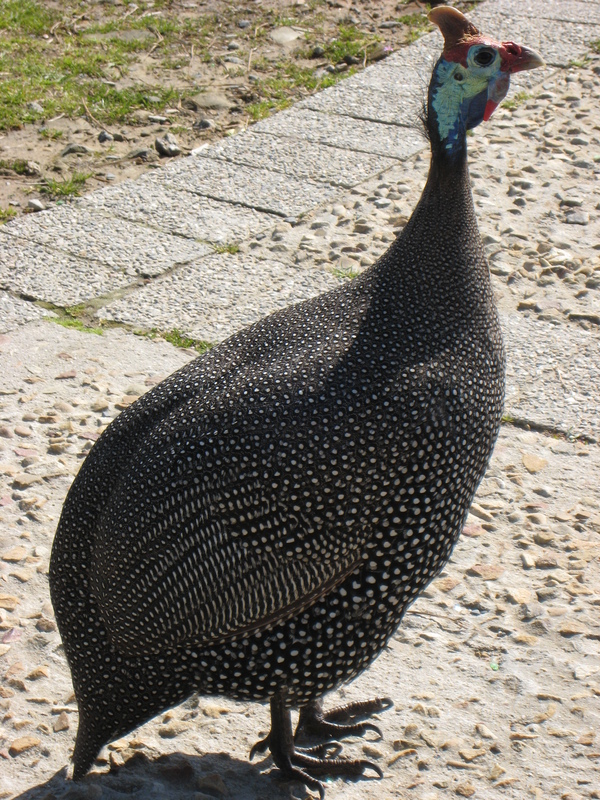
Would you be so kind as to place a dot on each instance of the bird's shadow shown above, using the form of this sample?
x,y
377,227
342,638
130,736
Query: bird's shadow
x,y
176,776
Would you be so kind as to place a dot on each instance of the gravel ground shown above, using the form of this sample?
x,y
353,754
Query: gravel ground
x,y
495,673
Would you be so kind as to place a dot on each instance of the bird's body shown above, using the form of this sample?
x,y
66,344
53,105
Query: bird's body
x,y
257,524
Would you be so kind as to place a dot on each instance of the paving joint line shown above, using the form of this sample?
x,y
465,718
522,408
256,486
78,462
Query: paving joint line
x,y
329,182
525,424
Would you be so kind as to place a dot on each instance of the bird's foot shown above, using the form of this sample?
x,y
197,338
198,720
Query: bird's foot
x,y
308,764
339,721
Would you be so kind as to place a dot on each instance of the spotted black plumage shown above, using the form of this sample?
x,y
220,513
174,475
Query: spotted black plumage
x,y
257,524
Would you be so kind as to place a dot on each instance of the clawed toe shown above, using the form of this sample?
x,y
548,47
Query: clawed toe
x,y
352,767
324,750
306,768
260,747
339,722
360,708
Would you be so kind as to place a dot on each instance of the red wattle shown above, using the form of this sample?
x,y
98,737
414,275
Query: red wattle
x,y
490,107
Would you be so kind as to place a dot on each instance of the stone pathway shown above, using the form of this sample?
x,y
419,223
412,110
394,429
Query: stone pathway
x,y
495,672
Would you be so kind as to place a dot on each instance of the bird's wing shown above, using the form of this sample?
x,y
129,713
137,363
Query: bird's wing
x,y
199,542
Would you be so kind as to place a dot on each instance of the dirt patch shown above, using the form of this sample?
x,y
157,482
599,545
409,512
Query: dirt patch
x,y
99,91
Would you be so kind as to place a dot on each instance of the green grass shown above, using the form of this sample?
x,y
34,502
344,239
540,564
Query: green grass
x,y
72,71
262,108
595,45
26,17
68,73
71,317
417,24
347,274
7,214
18,166
275,90
51,133
350,42
77,324
579,62
178,339
226,248
515,102
70,187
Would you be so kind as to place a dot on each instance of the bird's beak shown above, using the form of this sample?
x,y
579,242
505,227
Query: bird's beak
x,y
516,58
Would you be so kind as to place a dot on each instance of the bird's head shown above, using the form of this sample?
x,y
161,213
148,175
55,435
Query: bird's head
x,y
471,78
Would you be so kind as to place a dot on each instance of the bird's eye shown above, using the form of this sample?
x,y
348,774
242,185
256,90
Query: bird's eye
x,y
485,57
458,76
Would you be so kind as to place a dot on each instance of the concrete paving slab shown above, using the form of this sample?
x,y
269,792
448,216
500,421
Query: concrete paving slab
x,y
83,233
42,273
407,66
335,165
261,189
553,374
340,131
587,11
15,312
218,295
397,106
399,70
179,212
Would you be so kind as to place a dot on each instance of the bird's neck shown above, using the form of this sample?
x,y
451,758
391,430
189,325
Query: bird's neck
x,y
443,222
440,254
447,193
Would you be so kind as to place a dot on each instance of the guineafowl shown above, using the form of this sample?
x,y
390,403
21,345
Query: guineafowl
x,y
257,525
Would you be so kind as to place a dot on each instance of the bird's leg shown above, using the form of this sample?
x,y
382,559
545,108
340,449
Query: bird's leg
x,y
339,721
303,765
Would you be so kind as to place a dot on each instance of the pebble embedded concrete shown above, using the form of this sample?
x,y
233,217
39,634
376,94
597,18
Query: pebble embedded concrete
x,y
183,213
212,297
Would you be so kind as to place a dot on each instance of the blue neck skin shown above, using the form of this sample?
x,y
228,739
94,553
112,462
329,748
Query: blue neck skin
x,y
453,108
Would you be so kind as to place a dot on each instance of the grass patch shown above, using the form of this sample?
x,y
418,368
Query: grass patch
x,y
417,24
515,102
179,339
70,68
277,90
226,248
579,62
51,133
70,187
19,167
71,317
7,214
54,62
262,108
77,324
346,274
26,16
595,45
350,43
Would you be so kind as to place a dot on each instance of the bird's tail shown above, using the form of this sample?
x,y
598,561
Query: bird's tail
x,y
89,742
